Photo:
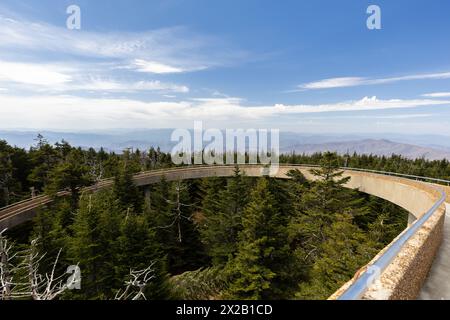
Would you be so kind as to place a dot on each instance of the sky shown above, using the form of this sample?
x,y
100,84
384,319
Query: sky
x,y
308,66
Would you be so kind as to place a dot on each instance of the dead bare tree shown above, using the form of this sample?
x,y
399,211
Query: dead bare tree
x,y
6,258
48,286
135,286
34,284
96,170
25,280
177,214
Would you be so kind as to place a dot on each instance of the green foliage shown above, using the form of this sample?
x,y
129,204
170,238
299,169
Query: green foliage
x,y
345,250
51,227
251,270
71,174
223,207
126,191
136,249
44,158
108,242
245,238
96,229
201,284
171,214
6,173
386,223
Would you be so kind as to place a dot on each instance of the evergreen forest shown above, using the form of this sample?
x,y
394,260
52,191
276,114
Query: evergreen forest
x,y
213,238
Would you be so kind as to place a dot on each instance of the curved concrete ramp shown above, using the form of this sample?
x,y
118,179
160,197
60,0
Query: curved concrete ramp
x,y
405,274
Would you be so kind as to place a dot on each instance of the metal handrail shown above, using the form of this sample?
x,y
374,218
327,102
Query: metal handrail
x,y
404,175
389,173
20,202
360,286
422,178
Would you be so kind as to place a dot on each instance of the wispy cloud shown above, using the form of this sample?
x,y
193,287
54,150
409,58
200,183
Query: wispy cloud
x,y
361,81
155,67
33,74
160,68
58,78
70,112
437,95
114,86
365,104
167,50
37,57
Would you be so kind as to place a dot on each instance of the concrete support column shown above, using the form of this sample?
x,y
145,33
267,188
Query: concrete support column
x,y
33,192
411,219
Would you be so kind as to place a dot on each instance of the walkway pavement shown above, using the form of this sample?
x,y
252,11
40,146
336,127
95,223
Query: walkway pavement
x,y
437,285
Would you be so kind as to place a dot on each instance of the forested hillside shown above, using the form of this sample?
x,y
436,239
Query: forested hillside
x,y
215,238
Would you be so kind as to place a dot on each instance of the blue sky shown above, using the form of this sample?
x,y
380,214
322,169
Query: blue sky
x,y
306,66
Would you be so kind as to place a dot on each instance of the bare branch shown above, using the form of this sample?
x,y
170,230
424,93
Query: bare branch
x,y
139,280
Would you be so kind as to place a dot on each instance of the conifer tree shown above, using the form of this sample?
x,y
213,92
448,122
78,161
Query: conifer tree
x,y
44,158
345,250
94,244
137,249
51,234
249,274
6,173
71,174
125,190
171,215
223,209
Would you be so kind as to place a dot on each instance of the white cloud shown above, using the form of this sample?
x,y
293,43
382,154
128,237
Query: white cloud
x,y
76,113
437,95
333,83
155,67
34,77
158,85
32,74
360,81
365,104
126,87
155,51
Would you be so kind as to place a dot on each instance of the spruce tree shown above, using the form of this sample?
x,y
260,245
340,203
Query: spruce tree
x,y
125,190
223,209
44,158
51,234
137,249
171,216
346,249
70,174
94,244
249,272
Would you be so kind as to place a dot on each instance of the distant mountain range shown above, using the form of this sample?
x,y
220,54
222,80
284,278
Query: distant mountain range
x,y
412,146
372,146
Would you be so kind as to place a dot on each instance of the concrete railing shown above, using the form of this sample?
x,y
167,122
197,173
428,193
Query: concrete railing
x,y
410,255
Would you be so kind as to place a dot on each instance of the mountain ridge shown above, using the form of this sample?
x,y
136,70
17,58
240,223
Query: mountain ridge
x,y
432,148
